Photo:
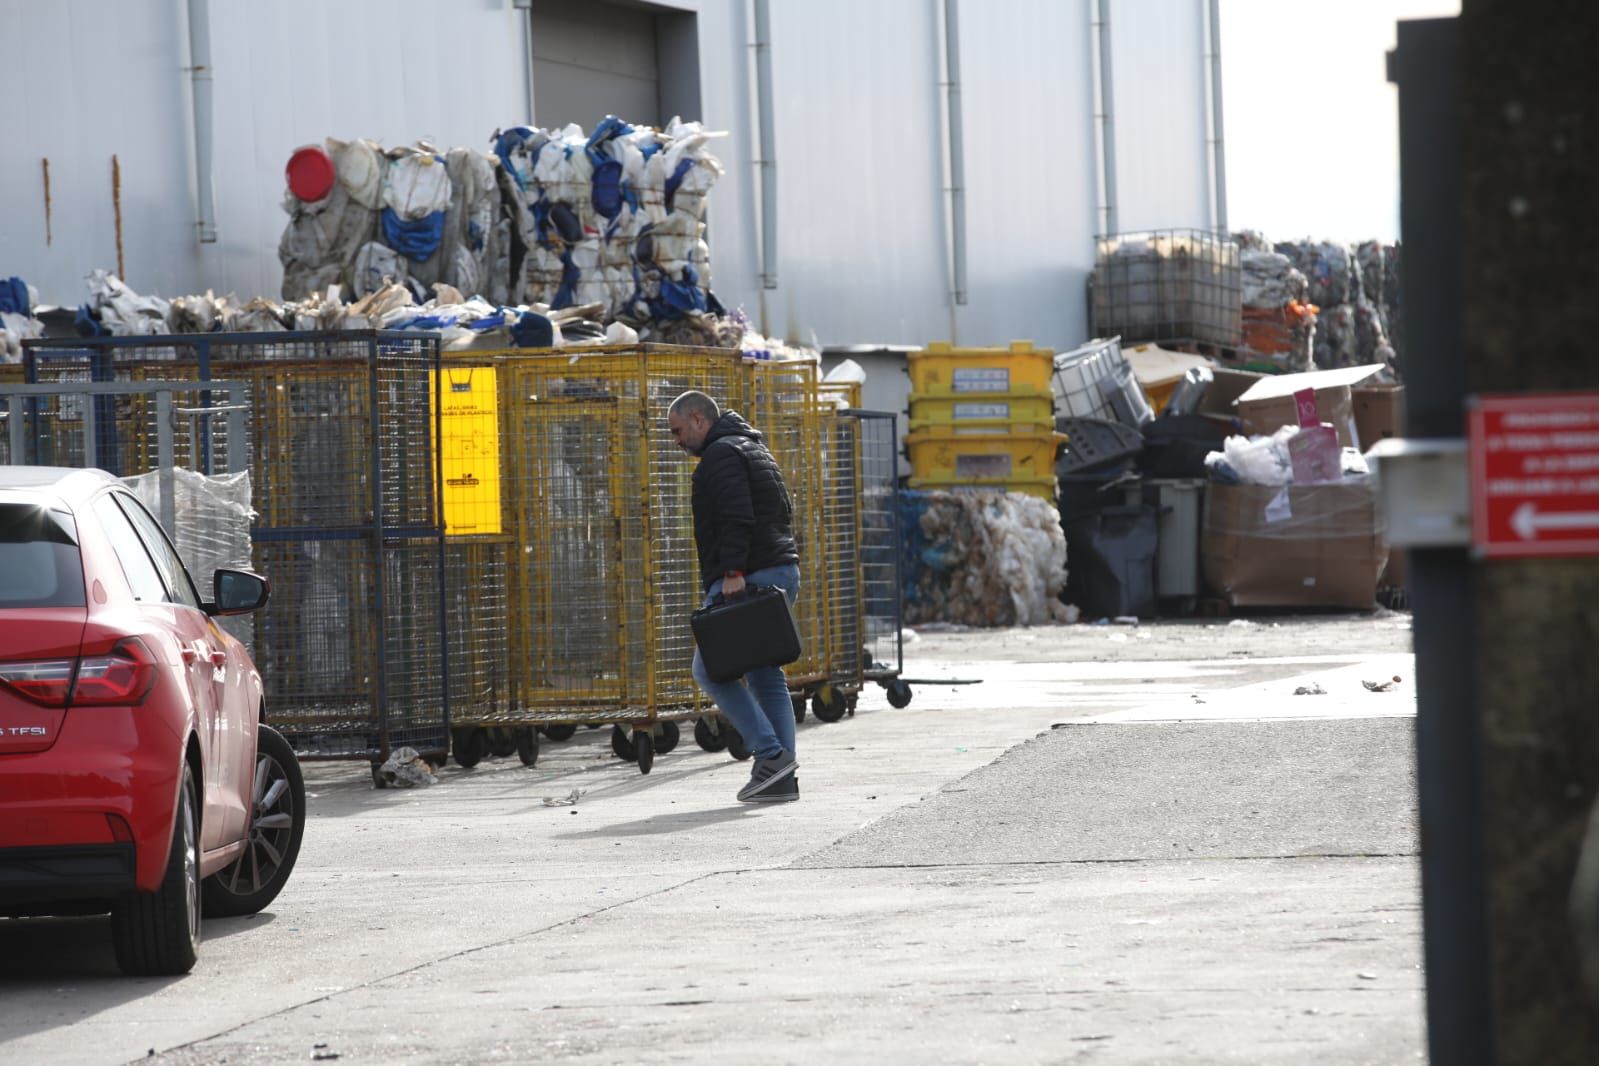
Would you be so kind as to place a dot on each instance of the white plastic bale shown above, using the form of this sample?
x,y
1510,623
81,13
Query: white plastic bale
x,y
212,517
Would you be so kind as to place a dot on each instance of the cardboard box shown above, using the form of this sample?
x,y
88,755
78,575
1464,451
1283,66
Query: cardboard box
x,y
1265,417
1223,392
1379,412
1293,546
1268,405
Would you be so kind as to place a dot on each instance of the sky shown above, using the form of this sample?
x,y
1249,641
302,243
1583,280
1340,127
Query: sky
x,y
1311,124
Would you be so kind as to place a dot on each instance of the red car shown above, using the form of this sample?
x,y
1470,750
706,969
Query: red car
x,y
135,774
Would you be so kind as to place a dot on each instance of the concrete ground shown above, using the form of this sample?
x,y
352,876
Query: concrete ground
x,y
1123,846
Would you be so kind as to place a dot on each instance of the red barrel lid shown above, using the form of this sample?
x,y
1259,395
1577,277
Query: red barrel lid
x,y
310,173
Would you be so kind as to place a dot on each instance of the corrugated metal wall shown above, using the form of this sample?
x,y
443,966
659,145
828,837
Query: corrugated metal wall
x,y
863,234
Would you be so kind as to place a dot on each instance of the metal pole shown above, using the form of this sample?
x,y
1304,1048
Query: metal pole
x,y
957,147
379,570
165,460
768,144
200,75
1218,153
1460,1020
1107,118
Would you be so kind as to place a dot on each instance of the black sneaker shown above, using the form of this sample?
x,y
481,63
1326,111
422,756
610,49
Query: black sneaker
x,y
784,790
766,773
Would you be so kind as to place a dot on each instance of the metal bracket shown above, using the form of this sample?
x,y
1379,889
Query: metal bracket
x,y
1423,488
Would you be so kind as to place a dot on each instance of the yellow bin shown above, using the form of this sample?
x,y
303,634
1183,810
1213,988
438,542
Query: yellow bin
x,y
1027,411
940,370
997,457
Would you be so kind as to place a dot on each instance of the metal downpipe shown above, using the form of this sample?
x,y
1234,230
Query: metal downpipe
x,y
957,148
768,143
1218,153
1107,119
200,78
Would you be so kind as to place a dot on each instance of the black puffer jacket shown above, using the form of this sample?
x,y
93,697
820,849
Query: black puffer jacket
x,y
743,519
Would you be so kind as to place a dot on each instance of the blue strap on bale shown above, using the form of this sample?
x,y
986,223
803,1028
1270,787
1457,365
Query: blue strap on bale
x,y
418,239
14,297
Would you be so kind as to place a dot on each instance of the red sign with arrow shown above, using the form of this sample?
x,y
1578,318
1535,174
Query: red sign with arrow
x,y
1535,474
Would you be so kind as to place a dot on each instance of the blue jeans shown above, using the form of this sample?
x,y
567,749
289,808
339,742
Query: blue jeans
x,y
757,704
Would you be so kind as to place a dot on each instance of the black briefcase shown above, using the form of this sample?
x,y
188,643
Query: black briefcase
x,y
746,633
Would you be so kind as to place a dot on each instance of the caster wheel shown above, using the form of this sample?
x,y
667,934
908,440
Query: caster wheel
x,y
706,736
799,707
644,751
735,744
667,738
850,702
622,743
468,744
378,780
899,694
527,745
828,704
502,742
560,731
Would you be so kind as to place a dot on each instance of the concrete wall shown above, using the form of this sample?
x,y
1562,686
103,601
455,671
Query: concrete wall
x,y
860,152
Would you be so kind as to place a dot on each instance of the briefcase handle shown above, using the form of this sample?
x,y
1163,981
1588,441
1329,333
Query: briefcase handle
x,y
749,590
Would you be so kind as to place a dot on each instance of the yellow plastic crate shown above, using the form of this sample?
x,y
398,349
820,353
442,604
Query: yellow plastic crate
x,y
1043,488
1026,411
998,457
940,370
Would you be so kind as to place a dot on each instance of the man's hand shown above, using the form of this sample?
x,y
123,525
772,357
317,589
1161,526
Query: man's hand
x,y
733,585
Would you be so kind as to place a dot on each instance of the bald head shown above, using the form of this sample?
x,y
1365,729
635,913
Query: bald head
x,y
690,419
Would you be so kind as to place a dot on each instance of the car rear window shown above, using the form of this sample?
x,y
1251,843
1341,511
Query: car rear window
x,y
39,561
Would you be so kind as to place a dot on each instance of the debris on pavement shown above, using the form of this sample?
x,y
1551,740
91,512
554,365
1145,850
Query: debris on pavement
x,y
568,800
1382,686
1312,689
407,769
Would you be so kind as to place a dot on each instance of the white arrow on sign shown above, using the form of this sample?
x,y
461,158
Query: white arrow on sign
x,y
1527,522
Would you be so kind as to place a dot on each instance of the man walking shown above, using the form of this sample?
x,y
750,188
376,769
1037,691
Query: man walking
x,y
743,531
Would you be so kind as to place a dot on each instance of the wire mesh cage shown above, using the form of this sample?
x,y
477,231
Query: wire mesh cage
x,y
340,441
605,572
883,647
1168,285
782,401
840,462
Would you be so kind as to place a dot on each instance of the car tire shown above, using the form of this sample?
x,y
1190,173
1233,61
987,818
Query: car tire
x,y
157,934
277,824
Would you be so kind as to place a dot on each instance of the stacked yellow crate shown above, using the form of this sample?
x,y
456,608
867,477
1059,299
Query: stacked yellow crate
x,y
983,418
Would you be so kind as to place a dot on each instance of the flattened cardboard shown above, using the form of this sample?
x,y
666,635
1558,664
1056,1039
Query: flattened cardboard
x,y
1294,546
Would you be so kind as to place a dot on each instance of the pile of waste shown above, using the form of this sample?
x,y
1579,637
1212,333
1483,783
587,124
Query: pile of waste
x,y
462,322
361,218
17,324
1278,315
614,217
611,220
983,559
1353,322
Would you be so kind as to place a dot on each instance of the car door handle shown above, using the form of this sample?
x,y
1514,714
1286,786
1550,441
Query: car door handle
x,y
219,658
189,655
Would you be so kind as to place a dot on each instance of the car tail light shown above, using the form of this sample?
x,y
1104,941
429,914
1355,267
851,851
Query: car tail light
x,y
48,683
123,677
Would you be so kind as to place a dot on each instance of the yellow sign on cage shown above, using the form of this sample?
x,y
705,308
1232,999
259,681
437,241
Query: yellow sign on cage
x,y
469,422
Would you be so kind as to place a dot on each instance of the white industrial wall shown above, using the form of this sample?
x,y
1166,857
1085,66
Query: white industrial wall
x,y
860,150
